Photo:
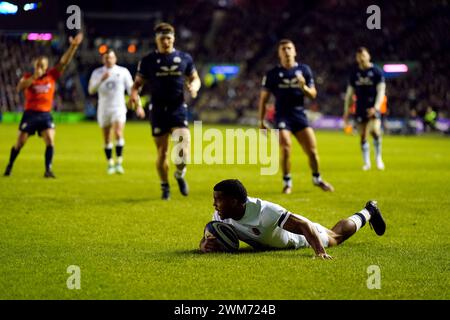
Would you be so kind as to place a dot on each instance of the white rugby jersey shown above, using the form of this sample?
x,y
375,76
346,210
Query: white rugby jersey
x,y
261,226
111,91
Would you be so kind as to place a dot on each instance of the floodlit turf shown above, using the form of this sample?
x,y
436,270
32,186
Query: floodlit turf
x,y
131,245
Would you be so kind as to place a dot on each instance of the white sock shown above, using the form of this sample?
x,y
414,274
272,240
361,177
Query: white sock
x,y
111,162
377,145
365,148
360,218
119,161
287,181
180,173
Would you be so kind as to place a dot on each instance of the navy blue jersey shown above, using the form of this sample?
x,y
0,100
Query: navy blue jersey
x,y
365,82
165,74
283,84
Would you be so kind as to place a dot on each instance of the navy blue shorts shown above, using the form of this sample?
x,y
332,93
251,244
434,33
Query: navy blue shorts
x,y
35,121
293,122
164,119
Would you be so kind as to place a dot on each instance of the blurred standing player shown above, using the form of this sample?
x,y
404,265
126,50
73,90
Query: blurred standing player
x,y
39,89
367,83
111,81
290,82
167,70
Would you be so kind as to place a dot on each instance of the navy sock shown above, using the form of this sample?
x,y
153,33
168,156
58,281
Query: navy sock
x,y
49,151
13,155
119,151
108,153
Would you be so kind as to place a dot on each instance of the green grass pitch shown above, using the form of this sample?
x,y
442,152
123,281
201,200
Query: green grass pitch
x,y
131,245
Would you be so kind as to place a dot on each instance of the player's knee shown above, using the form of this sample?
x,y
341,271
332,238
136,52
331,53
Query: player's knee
x,y
162,153
313,153
285,147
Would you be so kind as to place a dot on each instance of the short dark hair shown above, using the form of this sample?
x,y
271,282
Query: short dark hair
x,y
233,188
285,41
108,52
164,27
362,49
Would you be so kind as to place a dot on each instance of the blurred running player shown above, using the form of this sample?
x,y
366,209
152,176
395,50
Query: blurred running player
x,y
110,82
367,83
167,70
290,82
39,90
265,225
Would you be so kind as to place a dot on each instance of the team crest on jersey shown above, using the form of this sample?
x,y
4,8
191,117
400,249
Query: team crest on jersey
x,y
282,125
176,60
370,74
158,61
281,74
256,231
111,85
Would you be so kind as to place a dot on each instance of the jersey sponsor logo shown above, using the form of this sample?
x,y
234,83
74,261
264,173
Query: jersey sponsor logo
x,y
168,71
42,88
364,81
288,83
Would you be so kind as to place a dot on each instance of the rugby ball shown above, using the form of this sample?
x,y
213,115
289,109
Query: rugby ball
x,y
225,235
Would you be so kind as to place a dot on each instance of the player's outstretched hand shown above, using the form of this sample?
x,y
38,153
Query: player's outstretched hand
x,y
209,245
76,41
324,256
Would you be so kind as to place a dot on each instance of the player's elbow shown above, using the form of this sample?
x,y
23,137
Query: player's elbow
x,y
92,91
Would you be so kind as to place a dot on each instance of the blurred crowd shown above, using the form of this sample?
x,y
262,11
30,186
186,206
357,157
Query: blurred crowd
x,y
326,34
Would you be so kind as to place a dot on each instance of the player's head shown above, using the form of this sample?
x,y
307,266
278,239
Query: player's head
x,y
41,64
164,37
286,51
362,57
230,197
109,58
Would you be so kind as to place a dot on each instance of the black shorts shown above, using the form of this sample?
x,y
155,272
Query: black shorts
x,y
294,122
35,121
164,119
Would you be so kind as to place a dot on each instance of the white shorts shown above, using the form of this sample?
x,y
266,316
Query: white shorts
x,y
107,118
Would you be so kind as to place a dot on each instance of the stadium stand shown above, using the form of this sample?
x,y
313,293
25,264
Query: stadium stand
x,y
238,32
